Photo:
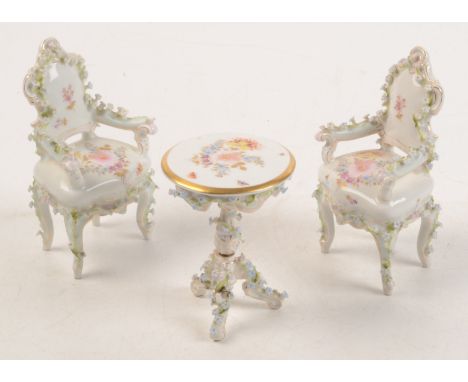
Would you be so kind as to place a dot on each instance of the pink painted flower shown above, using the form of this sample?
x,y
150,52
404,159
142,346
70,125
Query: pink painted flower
x,y
400,104
104,157
231,156
361,167
67,94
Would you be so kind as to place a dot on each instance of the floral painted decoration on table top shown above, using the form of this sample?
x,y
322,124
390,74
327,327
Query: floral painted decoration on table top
x,y
224,155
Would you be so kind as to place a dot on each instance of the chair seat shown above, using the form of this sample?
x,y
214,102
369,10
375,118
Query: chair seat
x,y
109,168
353,182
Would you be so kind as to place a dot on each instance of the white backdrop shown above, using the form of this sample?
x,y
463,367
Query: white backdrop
x,y
280,81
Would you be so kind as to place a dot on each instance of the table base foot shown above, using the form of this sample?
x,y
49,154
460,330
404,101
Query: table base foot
x,y
219,274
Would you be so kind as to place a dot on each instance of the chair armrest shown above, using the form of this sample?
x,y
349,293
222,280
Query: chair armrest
x,y
399,168
332,134
105,114
60,153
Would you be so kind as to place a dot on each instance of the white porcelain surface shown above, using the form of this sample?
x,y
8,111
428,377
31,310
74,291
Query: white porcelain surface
x,y
382,191
354,180
228,160
267,77
65,90
91,177
109,168
217,163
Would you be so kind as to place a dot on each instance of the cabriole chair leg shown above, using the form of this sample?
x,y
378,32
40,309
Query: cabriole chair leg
x,y
42,209
385,242
145,210
326,220
429,224
74,224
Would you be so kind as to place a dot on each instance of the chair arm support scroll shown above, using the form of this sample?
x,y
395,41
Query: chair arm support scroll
x,y
332,134
105,114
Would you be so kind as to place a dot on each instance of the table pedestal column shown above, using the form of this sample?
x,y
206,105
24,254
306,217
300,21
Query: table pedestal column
x,y
224,268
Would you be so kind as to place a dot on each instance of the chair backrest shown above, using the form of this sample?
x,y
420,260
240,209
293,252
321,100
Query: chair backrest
x,y
412,96
56,87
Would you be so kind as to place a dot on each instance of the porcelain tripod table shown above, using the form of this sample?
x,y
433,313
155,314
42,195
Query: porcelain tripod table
x,y
239,173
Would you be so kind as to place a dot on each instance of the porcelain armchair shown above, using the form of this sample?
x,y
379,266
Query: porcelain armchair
x,y
93,176
380,190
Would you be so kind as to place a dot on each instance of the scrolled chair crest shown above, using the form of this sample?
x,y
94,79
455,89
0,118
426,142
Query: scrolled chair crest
x,y
419,61
51,44
50,51
418,57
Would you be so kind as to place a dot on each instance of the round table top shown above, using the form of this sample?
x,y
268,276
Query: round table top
x,y
228,164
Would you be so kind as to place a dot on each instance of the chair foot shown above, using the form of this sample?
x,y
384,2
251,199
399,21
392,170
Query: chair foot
x,y
326,219
387,284
78,266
